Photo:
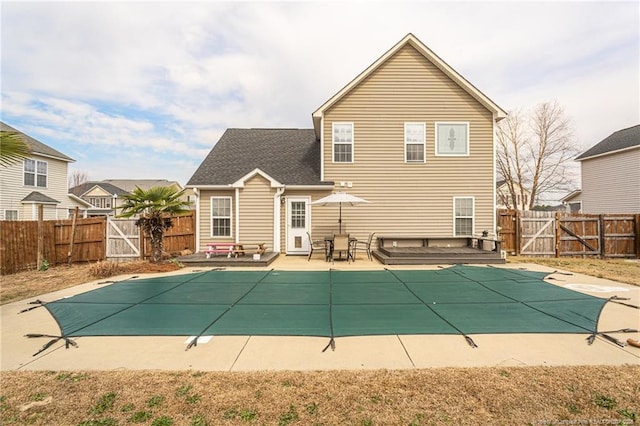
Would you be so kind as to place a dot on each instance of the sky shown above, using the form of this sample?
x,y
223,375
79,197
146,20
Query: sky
x,y
143,90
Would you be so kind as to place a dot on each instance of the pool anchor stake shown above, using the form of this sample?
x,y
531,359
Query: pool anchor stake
x,y
67,342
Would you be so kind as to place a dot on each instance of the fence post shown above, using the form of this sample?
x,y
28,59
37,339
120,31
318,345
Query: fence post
x,y
557,233
637,221
601,239
40,255
518,231
73,235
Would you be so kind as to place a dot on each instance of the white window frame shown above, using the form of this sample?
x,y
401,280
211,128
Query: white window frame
x,y
423,143
17,214
230,217
334,143
35,173
472,217
450,154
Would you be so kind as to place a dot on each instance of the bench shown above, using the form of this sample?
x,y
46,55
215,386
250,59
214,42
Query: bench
x,y
241,248
219,248
389,240
424,241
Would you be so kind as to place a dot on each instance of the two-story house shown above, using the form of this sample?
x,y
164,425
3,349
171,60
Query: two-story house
x,y
610,172
40,179
506,200
106,196
409,134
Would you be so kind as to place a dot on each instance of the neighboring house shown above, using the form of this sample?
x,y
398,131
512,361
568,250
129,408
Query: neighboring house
x,y
611,174
504,198
573,202
105,196
409,134
39,179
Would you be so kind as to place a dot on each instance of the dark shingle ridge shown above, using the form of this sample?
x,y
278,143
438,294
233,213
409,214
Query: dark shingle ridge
x,y
84,187
38,197
35,145
622,139
290,156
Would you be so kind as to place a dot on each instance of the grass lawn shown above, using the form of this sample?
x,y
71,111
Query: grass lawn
x,y
458,396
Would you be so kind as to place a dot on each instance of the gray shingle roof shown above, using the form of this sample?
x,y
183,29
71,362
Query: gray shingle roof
x,y
625,138
36,146
79,190
130,184
290,156
38,197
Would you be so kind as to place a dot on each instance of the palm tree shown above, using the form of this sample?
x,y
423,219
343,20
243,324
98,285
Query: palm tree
x,y
154,208
12,148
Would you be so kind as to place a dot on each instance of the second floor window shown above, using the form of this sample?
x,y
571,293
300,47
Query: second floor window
x,y
35,173
342,142
414,142
452,139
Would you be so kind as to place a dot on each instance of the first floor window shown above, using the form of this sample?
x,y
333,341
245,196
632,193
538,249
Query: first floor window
x,y
452,139
35,173
463,216
342,138
414,142
11,215
220,216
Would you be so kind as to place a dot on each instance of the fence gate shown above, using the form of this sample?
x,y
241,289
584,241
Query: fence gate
x,y
123,240
538,235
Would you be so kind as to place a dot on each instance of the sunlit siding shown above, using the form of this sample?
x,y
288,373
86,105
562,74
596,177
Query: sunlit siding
x,y
205,216
256,211
611,183
409,198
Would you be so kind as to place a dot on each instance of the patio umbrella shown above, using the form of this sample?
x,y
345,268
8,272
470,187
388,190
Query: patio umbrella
x,y
340,198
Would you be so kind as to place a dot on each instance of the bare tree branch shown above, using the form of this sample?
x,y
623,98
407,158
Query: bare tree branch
x,y
534,151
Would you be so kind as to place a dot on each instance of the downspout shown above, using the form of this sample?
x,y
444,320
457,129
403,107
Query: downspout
x,y
237,215
494,214
276,219
196,192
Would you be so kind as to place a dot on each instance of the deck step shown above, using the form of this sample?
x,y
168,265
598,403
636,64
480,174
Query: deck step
x,y
440,258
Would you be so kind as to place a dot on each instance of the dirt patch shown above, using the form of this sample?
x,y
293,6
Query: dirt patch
x,y
623,271
27,284
530,395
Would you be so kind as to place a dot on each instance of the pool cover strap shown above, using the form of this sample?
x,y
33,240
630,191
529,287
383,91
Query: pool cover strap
x,y
467,338
194,341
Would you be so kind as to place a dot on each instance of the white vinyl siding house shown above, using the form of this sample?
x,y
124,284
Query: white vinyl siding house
x,y
40,179
611,174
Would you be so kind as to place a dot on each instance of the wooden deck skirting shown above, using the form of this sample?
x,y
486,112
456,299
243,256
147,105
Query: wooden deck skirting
x,y
423,250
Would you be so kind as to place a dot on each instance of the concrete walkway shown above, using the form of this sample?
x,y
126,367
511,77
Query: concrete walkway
x,y
247,353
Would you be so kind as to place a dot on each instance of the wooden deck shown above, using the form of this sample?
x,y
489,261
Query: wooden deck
x,y
199,259
427,251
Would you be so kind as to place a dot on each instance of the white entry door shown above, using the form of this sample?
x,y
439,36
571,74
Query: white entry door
x,y
298,216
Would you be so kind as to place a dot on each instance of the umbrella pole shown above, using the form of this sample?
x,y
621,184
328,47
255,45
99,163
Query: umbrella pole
x,y
340,220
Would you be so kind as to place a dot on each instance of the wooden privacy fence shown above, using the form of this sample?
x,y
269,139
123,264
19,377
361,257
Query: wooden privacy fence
x,y
86,240
20,242
556,234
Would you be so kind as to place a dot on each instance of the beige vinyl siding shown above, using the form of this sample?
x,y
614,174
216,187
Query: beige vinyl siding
x,y
410,198
205,216
256,211
13,189
611,183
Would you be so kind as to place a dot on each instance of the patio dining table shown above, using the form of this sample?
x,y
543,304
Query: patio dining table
x,y
329,242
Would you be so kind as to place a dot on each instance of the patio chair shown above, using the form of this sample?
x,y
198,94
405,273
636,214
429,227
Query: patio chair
x,y
341,244
316,244
365,246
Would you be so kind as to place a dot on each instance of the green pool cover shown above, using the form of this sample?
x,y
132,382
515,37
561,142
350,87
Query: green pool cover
x,y
457,300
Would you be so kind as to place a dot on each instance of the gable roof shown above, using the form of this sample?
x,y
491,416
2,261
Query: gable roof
x,y
38,197
83,188
289,156
36,146
617,141
129,185
410,39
